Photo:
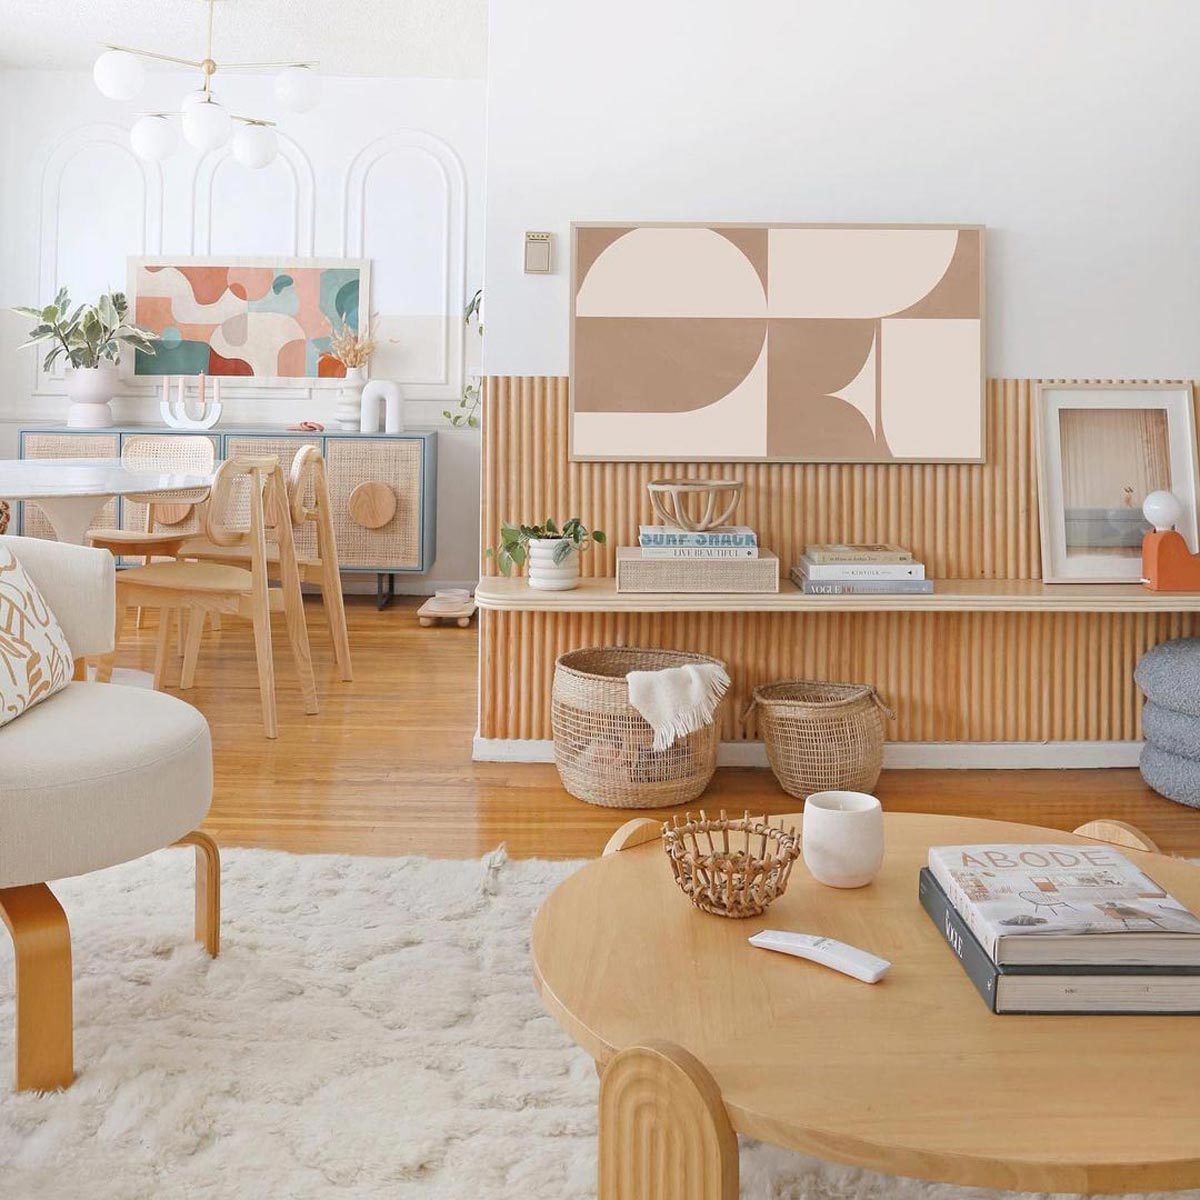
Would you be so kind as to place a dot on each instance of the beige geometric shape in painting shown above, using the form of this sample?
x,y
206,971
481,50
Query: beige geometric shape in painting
x,y
671,272
849,273
661,364
170,281
737,424
257,338
811,363
929,387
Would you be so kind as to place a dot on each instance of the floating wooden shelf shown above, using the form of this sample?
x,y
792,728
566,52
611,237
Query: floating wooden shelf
x,y
949,595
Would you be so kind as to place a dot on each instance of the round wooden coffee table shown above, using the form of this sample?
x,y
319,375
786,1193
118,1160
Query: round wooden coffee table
x,y
699,1036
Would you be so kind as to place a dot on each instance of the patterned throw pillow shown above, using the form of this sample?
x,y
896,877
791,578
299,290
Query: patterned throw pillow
x,y
35,659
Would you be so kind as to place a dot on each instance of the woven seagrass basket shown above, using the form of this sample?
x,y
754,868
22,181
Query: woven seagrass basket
x,y
603,746
822,736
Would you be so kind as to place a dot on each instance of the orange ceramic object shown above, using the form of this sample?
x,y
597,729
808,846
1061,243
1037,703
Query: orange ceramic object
x,y
1168,565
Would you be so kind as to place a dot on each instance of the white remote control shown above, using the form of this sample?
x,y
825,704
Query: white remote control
x,y
847,959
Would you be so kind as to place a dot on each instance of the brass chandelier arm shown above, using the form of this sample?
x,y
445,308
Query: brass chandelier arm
x,y
171,58
264,66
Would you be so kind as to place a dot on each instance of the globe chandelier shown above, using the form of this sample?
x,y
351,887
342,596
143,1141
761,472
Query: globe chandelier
x,y
206,124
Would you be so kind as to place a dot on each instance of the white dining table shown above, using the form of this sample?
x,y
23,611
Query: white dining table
x,y
71,491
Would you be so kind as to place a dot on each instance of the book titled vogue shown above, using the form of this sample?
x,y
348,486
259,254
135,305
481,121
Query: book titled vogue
x,y
666,536
1064,904
860,587
1059,988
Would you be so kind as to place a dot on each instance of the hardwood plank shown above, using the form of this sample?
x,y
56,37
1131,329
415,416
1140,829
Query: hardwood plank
x,y
386,767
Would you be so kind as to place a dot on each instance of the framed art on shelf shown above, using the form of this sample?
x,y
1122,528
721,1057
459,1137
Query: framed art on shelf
x,y
735,342
262,320
1101,449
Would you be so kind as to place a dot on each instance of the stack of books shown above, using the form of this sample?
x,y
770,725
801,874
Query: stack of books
x,y
667,559
841,570
1063,929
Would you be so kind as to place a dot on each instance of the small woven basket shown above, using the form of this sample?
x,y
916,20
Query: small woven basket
x,y
821,736
731,868
603,747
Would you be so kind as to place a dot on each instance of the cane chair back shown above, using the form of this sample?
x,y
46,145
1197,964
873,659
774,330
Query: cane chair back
x,y
170,454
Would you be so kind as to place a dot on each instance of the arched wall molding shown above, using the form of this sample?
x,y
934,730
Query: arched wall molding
x,y
54,167
454,182
304,189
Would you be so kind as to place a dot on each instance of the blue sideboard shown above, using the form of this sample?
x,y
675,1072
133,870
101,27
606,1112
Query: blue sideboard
x,y
404,462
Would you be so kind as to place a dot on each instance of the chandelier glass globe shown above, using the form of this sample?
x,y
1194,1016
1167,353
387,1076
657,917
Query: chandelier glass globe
x,y
119,75
154,137
298,88
255,146
206,122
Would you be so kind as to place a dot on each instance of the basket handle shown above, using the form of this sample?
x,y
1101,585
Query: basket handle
x,y
750,707
883,706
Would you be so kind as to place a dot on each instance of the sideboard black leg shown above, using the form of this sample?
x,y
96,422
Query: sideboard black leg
x,y
382,598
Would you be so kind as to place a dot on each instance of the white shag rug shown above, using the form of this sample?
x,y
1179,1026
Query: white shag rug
x,y
370,1030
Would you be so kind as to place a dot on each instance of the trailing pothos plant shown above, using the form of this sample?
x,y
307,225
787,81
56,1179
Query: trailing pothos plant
x,y
89,335
515,539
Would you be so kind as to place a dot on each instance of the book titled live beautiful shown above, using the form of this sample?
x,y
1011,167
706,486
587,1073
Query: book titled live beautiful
x,y
1065,904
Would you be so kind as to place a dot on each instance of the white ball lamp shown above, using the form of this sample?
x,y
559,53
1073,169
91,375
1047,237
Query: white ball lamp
x,y
154,137
255,145
298,88
1163,510
119,75
206,122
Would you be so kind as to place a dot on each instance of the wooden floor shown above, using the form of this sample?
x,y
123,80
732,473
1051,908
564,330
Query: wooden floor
x,y
385,768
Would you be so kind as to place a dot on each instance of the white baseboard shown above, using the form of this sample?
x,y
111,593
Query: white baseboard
x,y
903,756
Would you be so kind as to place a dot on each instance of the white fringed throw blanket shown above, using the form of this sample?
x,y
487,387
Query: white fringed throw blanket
x,y
678,700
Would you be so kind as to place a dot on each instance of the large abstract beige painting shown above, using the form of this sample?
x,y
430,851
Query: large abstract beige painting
x,y
800,343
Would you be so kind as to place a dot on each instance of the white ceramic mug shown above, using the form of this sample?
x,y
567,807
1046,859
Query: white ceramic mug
x,y
843,838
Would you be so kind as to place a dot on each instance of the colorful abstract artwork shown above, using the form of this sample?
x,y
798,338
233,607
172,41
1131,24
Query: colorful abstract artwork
x,y
264,319
790,343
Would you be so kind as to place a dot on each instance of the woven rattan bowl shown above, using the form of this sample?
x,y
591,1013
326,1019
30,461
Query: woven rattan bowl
x,y
730,867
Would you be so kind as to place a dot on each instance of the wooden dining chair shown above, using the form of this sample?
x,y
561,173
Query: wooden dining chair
x,y
255,485
308,503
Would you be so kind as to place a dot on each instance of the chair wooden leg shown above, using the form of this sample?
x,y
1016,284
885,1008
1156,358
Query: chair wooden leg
x,y
191,649
208,888
180,616
664,1131
335,614
42,945
293,600
161,647
105,664
215,621
260,617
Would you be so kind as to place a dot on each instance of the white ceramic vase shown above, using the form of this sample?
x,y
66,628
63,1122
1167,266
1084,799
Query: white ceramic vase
x,y
547,575
348,412
90,389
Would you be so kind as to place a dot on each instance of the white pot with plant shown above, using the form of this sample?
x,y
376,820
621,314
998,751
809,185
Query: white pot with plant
x,y
551,553
90,338
352,349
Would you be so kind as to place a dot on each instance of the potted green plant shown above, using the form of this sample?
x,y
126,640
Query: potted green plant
x,y
90,338
552,553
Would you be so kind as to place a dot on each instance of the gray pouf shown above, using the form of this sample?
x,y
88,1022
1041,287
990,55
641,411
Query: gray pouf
x,y
1169,674
1170,730
1171,775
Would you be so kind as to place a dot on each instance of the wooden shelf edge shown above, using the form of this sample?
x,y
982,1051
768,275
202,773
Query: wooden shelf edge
x,y
949,595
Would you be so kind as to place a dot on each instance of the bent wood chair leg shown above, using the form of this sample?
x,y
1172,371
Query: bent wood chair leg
x,y
664,1131
208,888
1118,833
191,647
106,663
42,946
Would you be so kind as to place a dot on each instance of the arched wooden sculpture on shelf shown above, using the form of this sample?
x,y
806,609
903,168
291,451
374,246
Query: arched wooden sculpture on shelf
x,y
1118,833
664,1132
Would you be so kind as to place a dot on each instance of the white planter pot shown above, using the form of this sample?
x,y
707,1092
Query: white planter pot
x,y
90,389
544,573
349,405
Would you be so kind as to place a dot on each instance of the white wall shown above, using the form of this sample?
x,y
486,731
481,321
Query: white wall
x,y
1069,127
387,169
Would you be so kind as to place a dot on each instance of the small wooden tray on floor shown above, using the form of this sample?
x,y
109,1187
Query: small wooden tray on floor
x,y
431,611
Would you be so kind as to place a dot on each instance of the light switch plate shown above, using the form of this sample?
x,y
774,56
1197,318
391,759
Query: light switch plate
x,y
538,253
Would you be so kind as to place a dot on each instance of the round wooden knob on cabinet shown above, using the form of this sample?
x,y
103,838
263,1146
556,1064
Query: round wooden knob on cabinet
x,y
372,505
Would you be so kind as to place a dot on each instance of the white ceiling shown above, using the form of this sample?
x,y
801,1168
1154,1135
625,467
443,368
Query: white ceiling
x,y
439,38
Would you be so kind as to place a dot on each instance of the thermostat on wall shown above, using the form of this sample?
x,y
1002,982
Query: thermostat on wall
x,y
538,247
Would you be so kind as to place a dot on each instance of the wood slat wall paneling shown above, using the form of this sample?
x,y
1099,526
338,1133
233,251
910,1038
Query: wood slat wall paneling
x,y
976,677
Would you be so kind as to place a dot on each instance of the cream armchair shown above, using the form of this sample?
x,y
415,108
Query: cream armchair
x,y
93,776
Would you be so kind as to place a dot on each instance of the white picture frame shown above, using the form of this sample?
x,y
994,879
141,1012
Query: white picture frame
x,y
1100,448
135,265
